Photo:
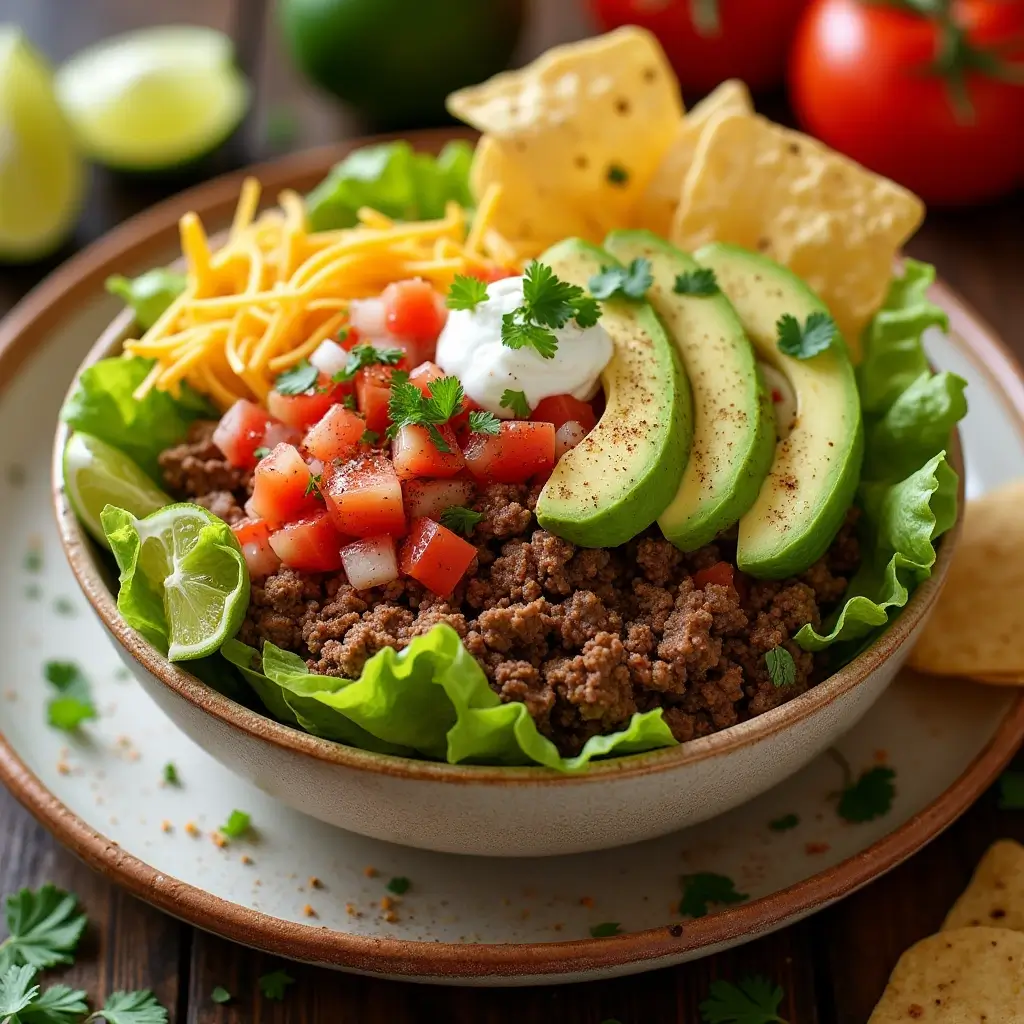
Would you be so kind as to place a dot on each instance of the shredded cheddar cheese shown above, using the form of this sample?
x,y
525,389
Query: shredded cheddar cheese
x,y
274,291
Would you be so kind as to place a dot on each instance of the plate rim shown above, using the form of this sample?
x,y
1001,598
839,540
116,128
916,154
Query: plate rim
x,y
127,245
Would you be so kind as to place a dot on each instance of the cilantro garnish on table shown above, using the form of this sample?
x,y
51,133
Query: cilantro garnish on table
x,y
696,282
220,995
22,1002
297,380
804,342
129,1008
483,422
459,519
274,984
408,406
781,667
869,797
1011,791
548,303
752,1000
704,888
629,282
237,825
466,293
362,356
73,704
43,926
516,403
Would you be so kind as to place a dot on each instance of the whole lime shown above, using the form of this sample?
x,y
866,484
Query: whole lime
x,y
396,60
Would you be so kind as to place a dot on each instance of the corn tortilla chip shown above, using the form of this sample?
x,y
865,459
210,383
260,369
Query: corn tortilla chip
x,y
955,977
975,628
593,119
995,896
777,191
660,200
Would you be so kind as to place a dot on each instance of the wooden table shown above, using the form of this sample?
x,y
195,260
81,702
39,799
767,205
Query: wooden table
x,y
833,966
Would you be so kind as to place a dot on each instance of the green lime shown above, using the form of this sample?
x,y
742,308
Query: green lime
x,y
395,60
190,562
97,474
155,98
42,176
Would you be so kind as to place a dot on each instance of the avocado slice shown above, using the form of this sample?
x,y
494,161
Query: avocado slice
x,y
816,469
623,474
733,421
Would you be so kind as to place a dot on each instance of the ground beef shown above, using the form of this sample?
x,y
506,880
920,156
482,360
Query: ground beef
x,y
196,470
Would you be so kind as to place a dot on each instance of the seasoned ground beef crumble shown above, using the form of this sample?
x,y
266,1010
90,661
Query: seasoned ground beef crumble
x,y
583,637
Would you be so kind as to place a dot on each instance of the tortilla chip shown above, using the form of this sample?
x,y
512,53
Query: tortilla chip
x,y
659,202
970,974
777,191
975,629
995,896
591,119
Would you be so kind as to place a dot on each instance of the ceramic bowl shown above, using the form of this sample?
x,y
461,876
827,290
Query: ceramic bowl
x,y
497,811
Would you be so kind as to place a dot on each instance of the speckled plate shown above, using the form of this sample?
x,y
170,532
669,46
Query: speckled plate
x,y
305,890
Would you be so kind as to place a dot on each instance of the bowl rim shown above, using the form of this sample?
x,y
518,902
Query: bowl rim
x,y
209,201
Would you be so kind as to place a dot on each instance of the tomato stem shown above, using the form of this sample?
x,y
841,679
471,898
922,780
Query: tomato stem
x,y
705,17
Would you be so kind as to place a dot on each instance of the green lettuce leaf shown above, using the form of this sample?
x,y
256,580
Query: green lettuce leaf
x,y
102,405
149,294
394,179
432,698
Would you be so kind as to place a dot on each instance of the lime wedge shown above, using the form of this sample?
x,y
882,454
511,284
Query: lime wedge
x,y
155,98
183,577
98,474
42,177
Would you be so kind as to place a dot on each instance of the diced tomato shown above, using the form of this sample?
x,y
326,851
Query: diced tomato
x,y
282,488
560,409
488,273
336,435
309,545
721,574
364,497
373,392
435,556
302,411
521,450
240,432
414,453
370,562
260,557
431,497
567,436
414,312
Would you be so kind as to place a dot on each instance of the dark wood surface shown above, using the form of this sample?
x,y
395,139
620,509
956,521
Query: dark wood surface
x,y
833,967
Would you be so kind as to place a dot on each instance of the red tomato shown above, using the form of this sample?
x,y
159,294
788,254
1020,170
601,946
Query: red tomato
x,y
521,450
414,312
431,497
309,545
364,497
370,562
336,435
240,432
434,556
282,487
560,409
415,454
751,39
260,557
373,392
863,81
302,411
721,574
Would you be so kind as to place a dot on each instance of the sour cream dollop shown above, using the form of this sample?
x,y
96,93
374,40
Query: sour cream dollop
x,y
470,348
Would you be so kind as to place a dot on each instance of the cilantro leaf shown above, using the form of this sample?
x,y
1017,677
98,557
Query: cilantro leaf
x,y
781,667
262,452
220,995
460,519
804,342
1011,791
630,282
313,485
44,928
483,422
58,1004
445,399
705,888
399,886
349,401
616,174
696,282
237,825
605,930
171,774
17,990
362,356
298,379
273,985
752,1001
870,796
466,292
370,437
516,334
785,823
73,705
408,406
130,1008
516,402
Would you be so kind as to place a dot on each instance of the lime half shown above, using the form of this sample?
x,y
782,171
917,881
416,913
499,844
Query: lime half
x,y
98,474
188,561
42,177
154,98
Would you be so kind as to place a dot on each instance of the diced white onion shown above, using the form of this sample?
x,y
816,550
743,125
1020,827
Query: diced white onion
x,y
367,316
431,497
260,558
567,436
370,562
281,433
329,357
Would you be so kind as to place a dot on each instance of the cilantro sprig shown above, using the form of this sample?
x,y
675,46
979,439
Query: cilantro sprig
x,y
805,342
73,702
483,422
704,888
43,926
696,282
629,282
298,379
367,355
274,984
408,406
751,1001
460,519
516,403
466,293
130,1008
781,667
548,303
